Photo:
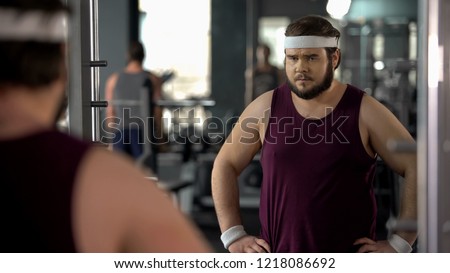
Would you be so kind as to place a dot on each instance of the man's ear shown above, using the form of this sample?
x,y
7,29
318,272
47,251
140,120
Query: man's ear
x,y
335,57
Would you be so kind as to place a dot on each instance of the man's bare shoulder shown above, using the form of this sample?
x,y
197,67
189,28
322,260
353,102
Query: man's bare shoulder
x,y
372,109
259,106
112,80
381,124
111,167
118,209
113,77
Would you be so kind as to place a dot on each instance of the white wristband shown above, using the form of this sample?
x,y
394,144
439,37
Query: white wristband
x,y
399,244
232,234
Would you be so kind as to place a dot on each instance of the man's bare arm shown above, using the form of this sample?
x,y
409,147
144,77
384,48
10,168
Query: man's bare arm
x,y
383,127
237,152
109,93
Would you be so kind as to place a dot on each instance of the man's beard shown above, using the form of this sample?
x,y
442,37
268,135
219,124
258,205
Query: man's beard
x,y
317,89
62,107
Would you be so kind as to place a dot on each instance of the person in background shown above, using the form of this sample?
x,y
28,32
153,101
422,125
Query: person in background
x,y
58,193
264,76
319,141
123,93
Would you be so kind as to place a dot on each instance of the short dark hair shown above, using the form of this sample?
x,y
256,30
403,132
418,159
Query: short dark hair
x,y
314,25
31,63
136,51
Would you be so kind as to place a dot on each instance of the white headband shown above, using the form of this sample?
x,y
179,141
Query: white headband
x,y
32,26
310,42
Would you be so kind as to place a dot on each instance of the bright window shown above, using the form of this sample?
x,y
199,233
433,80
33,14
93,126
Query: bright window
x,y
178,39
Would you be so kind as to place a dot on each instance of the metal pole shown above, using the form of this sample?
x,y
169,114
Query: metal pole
x,y
79,86
95,72
433,129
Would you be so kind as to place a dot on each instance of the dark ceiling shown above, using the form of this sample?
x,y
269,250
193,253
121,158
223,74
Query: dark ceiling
x,y
292,8
359,9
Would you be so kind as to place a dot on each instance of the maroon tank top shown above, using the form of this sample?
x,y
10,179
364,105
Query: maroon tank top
x,y
37,178
317,193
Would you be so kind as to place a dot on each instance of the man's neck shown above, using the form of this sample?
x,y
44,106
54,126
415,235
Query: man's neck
x,y
318,107
134,67
23,112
